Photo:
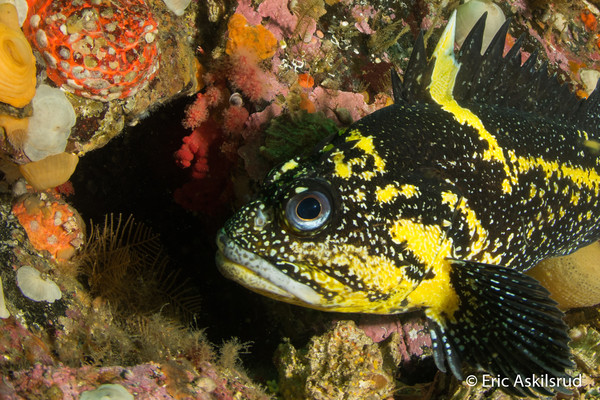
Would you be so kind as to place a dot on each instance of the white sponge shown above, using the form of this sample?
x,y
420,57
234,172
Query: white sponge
x,y
50,125
35,287
107,392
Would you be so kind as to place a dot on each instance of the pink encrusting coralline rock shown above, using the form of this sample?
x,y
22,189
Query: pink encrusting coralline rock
x,y
175,379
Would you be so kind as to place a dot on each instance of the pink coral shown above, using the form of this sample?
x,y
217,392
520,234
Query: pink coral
x,y
198,111
279,19
246,8
246,74
194,150
234,119
167,380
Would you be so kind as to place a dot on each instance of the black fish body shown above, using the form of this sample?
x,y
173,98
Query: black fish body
x,y
480,169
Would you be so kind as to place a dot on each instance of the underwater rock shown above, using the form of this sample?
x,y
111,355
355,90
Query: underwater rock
x,y
121,88
168,380
344,363
585,345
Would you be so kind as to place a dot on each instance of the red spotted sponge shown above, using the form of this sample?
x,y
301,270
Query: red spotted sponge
x,y
99,49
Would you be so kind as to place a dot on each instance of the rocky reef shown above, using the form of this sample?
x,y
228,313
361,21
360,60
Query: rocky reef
x,y
173,112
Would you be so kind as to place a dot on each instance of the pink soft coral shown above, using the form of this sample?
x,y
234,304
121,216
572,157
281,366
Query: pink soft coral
x,y
246,74
194,150
234,119
198,111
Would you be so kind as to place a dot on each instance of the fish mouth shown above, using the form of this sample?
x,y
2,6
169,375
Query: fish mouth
x,y
261,276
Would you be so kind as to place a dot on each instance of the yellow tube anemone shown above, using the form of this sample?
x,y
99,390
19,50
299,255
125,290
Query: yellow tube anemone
x,y
17,63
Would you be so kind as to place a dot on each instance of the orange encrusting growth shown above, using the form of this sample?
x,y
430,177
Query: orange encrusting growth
x,y
306,81
51,225
589,20
257,39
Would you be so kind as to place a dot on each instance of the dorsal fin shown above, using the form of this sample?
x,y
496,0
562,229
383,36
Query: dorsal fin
x,y
496,80
416,77
397,88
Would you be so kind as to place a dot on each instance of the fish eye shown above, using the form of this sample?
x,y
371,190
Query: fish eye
x,y
308,210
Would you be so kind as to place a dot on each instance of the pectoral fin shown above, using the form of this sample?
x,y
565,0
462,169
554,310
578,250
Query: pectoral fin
x,y
505,323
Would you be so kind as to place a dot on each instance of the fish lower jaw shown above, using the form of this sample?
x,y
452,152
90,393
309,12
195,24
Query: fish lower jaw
x,y
259,275
249,279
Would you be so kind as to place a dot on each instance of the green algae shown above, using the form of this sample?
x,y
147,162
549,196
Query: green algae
x,y
291,135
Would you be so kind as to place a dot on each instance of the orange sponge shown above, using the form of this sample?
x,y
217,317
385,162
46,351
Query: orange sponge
x,y
17,63
257,39
51,225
